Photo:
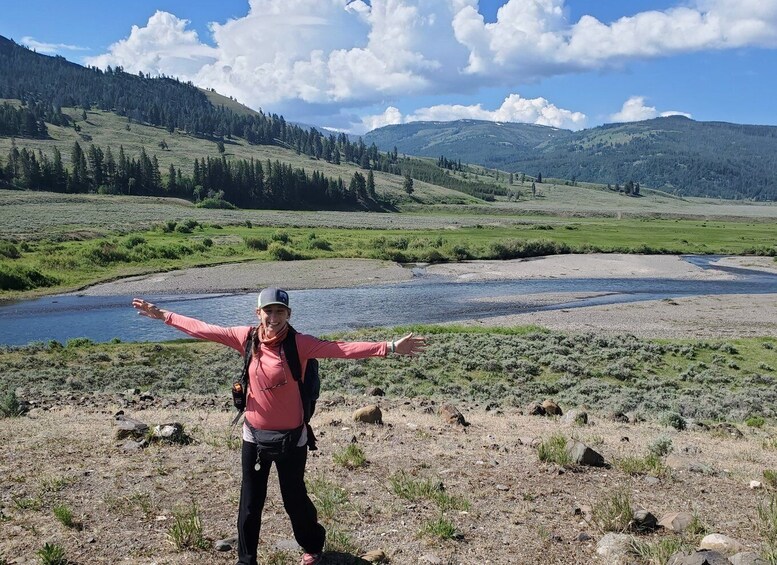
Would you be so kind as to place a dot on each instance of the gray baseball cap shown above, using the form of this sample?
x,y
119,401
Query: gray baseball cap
x,y
270,296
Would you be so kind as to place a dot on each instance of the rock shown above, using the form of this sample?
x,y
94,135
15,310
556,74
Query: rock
x,y
615,549
431,559
369,414
376,391
756,485
129,427
172,433
676,521
575,417
581,454
728,429
375,556
551,408
134,445
703,557
619,417
535,409
225,544
747,558
452,415
643,521
582,536
721,543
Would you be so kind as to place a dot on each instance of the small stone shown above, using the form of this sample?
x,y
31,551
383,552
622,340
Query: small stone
x,y
225,544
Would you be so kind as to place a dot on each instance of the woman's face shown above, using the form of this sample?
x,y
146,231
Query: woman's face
x,y
274,317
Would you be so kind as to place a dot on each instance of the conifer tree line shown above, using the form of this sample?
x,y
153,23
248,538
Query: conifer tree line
x,y
45,85
244,183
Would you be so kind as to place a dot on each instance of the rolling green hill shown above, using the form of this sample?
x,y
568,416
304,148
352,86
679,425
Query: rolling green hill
x,y
673,154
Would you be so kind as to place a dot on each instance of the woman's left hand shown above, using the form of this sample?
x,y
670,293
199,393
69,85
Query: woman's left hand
x,y
410,345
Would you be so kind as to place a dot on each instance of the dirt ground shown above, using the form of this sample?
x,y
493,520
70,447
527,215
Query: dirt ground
x,y
520,509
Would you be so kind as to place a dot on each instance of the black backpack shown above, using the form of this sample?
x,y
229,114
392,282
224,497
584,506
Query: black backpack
x,y
309,388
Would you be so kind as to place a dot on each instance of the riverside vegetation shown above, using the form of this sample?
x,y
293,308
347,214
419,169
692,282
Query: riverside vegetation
x,y
414,487
60,257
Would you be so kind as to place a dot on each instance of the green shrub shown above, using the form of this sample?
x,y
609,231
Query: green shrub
x,y
9,250
258,243
207,242
321,244
661,446
106,253
10,407
216,204
674,420
169,226
281,237
134,241
280,253
78,342
24,278
755,422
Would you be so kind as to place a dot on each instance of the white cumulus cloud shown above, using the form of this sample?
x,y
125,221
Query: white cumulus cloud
x,y
514,109
635,110
318,57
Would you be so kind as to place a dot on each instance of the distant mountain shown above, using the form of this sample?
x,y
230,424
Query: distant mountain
x,y
675,153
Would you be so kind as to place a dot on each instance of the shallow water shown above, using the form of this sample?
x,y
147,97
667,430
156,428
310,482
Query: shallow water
x,y
425,299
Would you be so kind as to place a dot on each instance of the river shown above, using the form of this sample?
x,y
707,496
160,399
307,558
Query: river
x,y
425,299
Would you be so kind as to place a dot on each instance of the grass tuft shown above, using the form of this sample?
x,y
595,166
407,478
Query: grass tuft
x,y
554,450
52,554
352,457
186,531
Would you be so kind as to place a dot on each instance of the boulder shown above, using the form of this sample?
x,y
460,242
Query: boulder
x,y
615,549
535,409
581,454
369,415
703,557
551,408
676,521
721,543
575,417
129,427
452,415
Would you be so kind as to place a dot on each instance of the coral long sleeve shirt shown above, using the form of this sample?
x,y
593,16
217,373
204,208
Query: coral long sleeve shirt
x,y
274,402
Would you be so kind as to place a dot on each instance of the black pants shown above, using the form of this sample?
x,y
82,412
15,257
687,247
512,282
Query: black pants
x,y
308,532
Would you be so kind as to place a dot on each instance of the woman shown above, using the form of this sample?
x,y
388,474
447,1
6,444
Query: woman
x,y
274,408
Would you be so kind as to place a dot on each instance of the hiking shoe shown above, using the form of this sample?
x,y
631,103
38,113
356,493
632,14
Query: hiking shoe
x,y
311,558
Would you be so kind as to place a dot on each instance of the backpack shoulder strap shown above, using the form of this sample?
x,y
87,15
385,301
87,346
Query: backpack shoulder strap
x,y
292,355
245,381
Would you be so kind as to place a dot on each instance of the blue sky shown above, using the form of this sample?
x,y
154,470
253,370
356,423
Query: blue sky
x,y
358,64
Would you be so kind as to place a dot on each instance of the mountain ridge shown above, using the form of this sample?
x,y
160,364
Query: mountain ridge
x,y
674,153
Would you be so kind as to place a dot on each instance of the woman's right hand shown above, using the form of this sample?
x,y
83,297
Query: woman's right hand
x,y
147,309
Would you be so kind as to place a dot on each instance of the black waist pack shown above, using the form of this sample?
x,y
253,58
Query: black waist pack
x,y
272,445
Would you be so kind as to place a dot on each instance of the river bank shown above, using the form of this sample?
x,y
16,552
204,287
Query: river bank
x,y
692,317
